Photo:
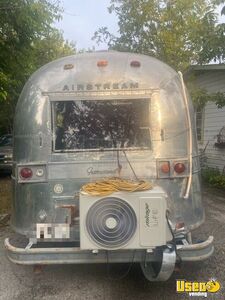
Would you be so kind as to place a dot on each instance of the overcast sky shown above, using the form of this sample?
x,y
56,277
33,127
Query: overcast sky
x,y
82,18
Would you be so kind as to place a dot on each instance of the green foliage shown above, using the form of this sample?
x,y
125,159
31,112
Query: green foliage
x,y
213,178
28,40
201,96
219,99
49,48
179,33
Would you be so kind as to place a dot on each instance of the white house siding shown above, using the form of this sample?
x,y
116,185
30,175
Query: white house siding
x,y
214,118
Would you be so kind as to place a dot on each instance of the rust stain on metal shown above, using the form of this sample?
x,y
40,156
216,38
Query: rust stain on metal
x,y
73,209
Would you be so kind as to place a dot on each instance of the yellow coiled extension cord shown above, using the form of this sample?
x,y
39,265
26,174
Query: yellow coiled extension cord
x,y
115,184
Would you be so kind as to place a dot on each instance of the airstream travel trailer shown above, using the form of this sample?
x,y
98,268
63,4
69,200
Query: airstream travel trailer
x,y
96,118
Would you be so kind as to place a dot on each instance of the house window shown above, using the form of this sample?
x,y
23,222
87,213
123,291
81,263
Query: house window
x,y
199,123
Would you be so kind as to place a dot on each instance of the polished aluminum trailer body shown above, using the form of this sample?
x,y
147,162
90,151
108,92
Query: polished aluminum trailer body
x,y
51,197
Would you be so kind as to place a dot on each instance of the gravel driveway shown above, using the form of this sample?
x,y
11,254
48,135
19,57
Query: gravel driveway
x,y
99,282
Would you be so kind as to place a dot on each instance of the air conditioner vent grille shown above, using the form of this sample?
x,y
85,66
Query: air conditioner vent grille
x,y
111,222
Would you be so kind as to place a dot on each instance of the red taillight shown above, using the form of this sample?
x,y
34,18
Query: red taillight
x,y
179,168
165,167
26,173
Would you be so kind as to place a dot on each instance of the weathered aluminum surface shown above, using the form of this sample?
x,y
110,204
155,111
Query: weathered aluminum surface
x,y
73,255
197,252
166,265
33,135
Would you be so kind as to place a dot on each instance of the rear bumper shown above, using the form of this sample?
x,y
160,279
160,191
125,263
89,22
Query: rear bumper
x,y
74,255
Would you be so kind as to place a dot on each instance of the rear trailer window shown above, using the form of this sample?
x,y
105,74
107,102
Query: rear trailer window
x,y
101,125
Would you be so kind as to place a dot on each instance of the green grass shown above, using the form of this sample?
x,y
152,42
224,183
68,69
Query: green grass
x,y
5,194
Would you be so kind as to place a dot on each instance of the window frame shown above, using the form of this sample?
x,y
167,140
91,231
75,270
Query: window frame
x,y
63,99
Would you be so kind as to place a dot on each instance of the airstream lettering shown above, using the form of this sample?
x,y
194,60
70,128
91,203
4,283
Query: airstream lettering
x,y
100,86
105,164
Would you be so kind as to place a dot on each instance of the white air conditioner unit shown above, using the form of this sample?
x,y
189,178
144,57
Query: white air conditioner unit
x,y
123,220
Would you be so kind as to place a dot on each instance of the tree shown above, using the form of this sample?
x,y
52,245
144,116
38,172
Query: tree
x,y
51,47
28,40
179,33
